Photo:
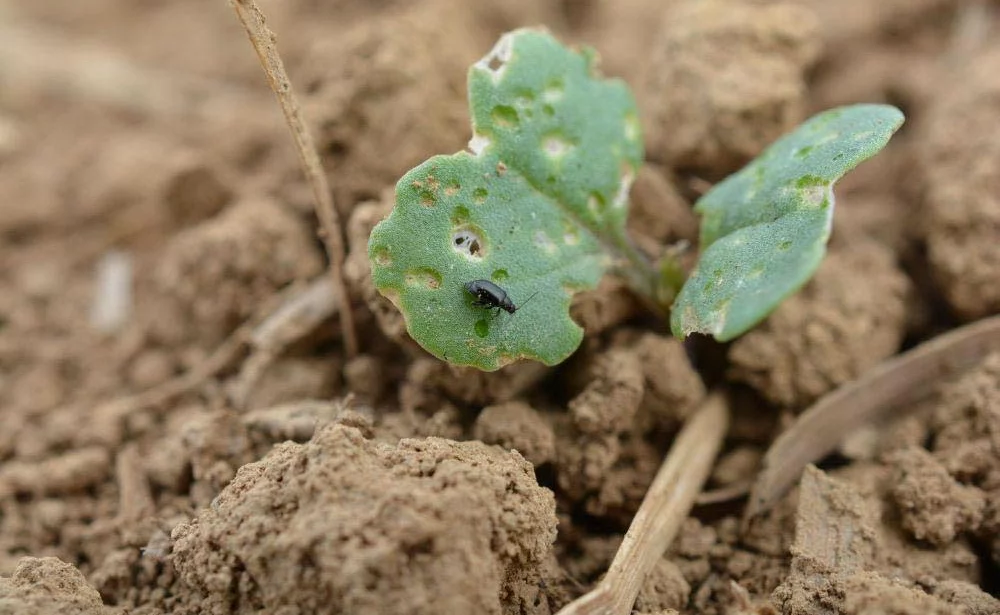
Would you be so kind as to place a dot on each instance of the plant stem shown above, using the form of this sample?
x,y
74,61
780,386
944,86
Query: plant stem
x,y
661,513
639,273
263,43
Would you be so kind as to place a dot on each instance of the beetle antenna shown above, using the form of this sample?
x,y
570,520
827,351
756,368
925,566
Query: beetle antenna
x,y
521,306
527,300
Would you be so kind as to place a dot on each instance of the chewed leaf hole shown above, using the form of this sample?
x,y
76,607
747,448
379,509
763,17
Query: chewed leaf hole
x,y
460,215
424,276
478,143
482,328
495,62
544,243
621,196
479,195
596,204
505,116
554,91
427,198
382,258
499,276
555,146
469,242
632,127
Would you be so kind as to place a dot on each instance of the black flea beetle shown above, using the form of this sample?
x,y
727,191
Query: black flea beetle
x,y
489,295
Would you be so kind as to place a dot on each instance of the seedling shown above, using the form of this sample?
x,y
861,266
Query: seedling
x,y
539,201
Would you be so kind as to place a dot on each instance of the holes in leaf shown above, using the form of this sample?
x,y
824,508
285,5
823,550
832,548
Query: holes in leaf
x,y
478,143
621,197
505,116
499,276
495,62
808,181
721,310
427,198
631,127
452,189
460,215
596,204
382,258
544,243
468,241
785,245
425,277
554,91
479,195
555,146
802,152
813,190
482,328
548,110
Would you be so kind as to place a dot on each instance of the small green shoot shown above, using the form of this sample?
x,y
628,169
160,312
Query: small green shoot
x,y
765,228
537,207
535,211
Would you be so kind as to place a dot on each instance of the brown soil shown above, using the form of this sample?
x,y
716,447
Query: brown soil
x,y
154,219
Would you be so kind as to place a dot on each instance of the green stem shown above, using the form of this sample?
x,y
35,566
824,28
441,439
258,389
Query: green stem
x,y
640,274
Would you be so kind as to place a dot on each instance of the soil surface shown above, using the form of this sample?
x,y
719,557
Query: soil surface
x,y
168,445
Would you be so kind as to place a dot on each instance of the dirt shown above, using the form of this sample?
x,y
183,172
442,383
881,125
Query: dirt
x,y
157,456
833,330
725,79
345,524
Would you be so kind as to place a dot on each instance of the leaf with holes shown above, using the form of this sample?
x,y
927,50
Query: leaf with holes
x,y
764,229
533,209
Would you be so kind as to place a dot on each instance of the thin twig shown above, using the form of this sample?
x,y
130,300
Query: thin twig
x,y
289,313
222,358
895,385
728,493
661,514
294,319
263,39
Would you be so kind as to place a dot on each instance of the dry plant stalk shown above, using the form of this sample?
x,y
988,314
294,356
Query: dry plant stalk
x,y
263,39
661,513
294,319
278,320
894,385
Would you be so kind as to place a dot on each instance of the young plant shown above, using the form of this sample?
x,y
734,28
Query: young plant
x,y
485,249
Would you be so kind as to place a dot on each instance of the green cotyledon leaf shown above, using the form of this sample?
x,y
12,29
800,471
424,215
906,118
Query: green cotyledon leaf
x,y
765,228
532,207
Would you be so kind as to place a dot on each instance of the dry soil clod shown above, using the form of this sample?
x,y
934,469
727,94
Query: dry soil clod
x,y
664,508
897,383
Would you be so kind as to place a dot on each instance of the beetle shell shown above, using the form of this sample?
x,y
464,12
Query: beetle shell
x,y
489,295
